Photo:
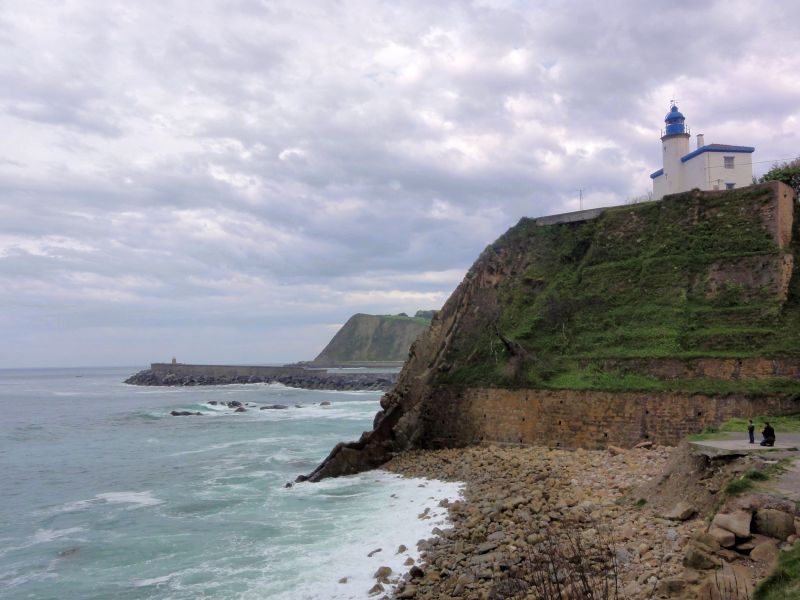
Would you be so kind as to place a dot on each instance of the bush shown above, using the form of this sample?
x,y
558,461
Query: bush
x,y
788,172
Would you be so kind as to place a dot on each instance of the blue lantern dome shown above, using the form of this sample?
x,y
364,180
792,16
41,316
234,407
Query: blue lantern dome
x,y
675,121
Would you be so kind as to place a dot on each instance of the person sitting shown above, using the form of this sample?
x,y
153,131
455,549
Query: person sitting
x,y
768,433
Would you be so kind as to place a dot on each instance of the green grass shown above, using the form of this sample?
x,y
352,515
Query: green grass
x,y
784,581
617,381
781,424
738,486
753,477
634,283
784,423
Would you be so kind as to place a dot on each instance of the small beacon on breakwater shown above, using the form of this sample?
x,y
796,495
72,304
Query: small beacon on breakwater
x,y
707,167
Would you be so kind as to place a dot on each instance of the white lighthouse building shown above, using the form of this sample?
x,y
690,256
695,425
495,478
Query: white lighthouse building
x,y
707,167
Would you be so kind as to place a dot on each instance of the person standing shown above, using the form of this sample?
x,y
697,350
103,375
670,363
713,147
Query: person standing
x,y
751,431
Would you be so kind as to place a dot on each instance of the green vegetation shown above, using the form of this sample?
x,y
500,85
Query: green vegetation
x,y
615,381
640,502
782,424
784,581
738,486
788,172
373,338
582,302
753,477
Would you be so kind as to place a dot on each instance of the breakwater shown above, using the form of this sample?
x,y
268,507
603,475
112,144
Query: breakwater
x,y
179,374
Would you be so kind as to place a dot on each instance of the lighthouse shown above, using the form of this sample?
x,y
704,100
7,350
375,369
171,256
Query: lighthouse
x,y
707,167
674,146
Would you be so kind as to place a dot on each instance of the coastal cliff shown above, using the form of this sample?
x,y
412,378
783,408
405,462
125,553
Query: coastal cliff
x,y
605,327
374,338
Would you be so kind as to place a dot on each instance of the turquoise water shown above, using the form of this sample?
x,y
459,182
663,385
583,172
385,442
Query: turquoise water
x,y
105,495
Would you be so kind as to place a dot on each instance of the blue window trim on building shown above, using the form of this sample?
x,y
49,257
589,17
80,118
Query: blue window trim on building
x,y
658,173
713,148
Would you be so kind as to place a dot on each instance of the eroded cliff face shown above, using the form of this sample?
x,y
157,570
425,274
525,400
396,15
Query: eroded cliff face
x,y
648,321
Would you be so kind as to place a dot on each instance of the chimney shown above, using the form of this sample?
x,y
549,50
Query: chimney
x,y
700,140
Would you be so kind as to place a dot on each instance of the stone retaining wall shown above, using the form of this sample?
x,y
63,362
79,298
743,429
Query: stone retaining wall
x,y
586,419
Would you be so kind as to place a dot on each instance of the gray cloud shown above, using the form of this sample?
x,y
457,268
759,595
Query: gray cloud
x,y
228,181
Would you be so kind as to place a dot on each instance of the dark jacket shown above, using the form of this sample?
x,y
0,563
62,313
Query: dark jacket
x,y
768,433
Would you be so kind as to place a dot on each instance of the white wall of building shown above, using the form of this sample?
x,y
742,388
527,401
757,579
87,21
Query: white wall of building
x,y
740,175
696,172
674,147
659,187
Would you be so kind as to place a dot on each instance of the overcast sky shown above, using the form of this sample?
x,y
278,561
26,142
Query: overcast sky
x,y
228,181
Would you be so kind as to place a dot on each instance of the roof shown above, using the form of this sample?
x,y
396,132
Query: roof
x,y
717,148
658,173
674,115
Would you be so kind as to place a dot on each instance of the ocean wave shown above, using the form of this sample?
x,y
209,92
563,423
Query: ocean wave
x,y
382,513
48,535
153,581
137,499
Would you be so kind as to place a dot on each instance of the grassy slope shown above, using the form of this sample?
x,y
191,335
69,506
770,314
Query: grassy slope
x,y
373,338
631,284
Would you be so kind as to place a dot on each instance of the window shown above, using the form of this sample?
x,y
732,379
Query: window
x,y
728,162
730,186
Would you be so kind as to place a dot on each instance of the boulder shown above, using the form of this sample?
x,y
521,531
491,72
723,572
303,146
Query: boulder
x,y
234,404
766,552
410,591
383,573
774,523
746,546
184,413
240,409
274,407
737,522
486,547
724,538
731,582
325,403
616,450
698,558
376,589
374,552
671,586
416,572
682,511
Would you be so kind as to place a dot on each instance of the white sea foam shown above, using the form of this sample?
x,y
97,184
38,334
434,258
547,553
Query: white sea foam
x,y
48,535
145,498
153,581
387,516
137,499
226,445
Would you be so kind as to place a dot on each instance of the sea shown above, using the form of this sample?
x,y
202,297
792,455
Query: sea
x,y
104,494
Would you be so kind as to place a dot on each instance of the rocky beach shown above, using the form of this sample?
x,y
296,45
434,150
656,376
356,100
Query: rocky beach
x,y
535,519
